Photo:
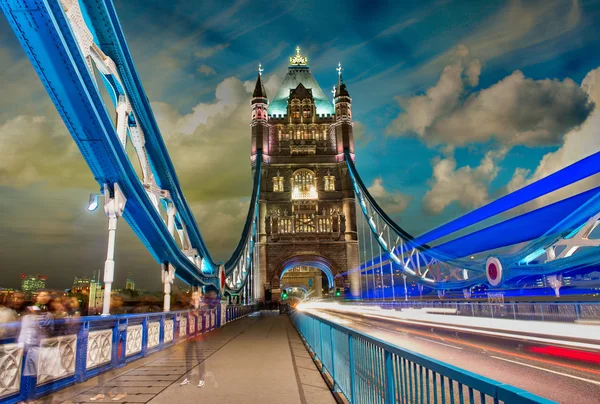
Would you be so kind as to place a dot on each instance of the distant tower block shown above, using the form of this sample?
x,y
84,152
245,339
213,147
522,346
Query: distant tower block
x,y
307,212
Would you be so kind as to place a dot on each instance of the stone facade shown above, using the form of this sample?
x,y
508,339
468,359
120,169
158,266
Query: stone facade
x,y
307,211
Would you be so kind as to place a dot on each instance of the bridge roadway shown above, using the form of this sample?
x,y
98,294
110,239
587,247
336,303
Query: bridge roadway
x,y
257,359
508,361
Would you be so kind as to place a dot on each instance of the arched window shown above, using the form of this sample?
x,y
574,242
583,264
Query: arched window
x,y
278,183
304,185
329,182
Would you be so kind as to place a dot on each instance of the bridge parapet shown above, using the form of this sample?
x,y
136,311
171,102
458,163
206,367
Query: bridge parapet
x,y
78,349
367,370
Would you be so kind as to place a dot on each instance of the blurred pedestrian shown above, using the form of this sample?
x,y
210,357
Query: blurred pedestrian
x,y
194,345
18,303
35,326
116,307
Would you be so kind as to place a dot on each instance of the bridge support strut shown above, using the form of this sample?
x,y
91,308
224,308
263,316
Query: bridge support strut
x,y
113,208
168,276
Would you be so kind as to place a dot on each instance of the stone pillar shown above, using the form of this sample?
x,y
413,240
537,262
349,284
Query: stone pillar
x,y
353,268
318,284
260,270
350,216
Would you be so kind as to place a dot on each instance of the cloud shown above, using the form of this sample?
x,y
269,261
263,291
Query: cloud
x,y
468,186
206,70
516,110
390,202
204,53
37,149
209,145
517,27
578,143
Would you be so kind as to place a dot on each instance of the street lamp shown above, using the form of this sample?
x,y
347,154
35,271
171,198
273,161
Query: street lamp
x,y
93,203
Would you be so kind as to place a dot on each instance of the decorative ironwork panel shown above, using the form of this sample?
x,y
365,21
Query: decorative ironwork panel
x,y
168,330
192,325
134,339
99,349
56,358
182,326
153,334
11,358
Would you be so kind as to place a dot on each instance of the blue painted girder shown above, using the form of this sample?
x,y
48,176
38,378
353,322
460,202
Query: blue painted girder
x,y
102,20
46,37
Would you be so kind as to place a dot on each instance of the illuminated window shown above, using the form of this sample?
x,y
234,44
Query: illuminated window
x,y
278,183
304,185
329,182
306,112
296,111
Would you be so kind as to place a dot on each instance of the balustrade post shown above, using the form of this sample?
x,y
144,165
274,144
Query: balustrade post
x,y
145,337
332,347
352,375
82,346
161,334
390,385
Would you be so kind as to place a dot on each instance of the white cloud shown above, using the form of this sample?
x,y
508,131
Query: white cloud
x,y
516,110
206,70
390,202
208,144
468,186
578,143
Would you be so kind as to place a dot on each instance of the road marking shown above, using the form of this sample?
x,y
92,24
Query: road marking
x,y
437,342
548,370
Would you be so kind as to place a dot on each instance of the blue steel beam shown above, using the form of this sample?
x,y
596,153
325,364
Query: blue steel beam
x,y
569,175
46,37
543,227
105,26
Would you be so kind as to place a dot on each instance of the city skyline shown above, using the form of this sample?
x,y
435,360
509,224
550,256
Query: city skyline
x,y
419,74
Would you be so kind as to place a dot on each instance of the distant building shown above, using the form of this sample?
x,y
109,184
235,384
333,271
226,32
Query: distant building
x,y
130,284
96,296
33,283
81,285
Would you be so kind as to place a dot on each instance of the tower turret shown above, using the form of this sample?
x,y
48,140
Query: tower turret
x,y
260,128
343,116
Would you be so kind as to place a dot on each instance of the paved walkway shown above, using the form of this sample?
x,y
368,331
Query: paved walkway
x,y
257,359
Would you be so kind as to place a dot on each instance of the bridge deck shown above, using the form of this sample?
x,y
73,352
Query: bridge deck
x,y
257,359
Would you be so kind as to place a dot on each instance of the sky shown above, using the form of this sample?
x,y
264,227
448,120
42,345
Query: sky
x,y
455,104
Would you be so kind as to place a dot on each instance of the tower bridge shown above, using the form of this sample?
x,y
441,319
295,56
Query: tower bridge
x,y
307,210
311,221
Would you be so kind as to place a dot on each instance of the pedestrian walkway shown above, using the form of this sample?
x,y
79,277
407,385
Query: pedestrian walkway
x,y
257,359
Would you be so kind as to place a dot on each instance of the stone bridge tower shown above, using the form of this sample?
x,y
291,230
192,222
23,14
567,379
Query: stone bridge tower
x,y
307,203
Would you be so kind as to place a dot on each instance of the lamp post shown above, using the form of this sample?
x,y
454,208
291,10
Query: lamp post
x,y
405,289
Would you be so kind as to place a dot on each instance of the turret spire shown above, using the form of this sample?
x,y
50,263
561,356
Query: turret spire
x,y
340,89
259,89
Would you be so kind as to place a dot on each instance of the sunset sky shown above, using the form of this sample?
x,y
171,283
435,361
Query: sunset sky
x,y
455,104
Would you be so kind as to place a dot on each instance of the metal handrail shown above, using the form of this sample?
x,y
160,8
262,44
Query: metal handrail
x,y
368,370
90,345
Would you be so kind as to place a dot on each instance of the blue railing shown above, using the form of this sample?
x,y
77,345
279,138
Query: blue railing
x,y
367,370
78,349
